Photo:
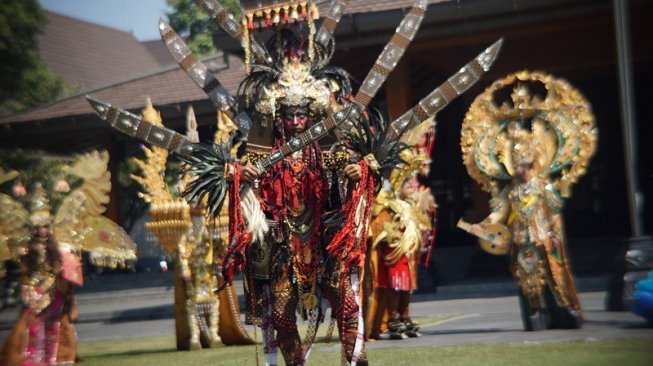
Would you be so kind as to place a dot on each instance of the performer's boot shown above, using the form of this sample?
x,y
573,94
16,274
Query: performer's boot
x,y
195,343
290,346
575,321
537,321
396,329
412,327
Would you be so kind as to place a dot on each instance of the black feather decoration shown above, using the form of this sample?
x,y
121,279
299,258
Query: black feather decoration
x,y
207,164
370,136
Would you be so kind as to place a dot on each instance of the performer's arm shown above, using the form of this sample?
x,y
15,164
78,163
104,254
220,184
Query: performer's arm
x,y
499,209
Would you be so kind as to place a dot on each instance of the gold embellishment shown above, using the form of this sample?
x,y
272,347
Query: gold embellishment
x,y
371,162
414,163
77,223
560,138
309,301
295,87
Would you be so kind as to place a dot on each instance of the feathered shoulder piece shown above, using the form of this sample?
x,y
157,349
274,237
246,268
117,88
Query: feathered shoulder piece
x,y
209,165
371,137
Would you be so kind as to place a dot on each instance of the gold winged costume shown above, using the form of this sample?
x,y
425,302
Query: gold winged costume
x,y
48,242
527,152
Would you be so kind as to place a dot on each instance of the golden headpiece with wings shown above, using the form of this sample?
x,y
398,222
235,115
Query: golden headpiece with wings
x,y
555,134
296,87
77,224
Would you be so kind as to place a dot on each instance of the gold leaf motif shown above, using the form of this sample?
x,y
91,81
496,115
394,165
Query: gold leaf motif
x,y
557,133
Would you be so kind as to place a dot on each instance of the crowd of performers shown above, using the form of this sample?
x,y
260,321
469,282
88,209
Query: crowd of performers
x,y
317,199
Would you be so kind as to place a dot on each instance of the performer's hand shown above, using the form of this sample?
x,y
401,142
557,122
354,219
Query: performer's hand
x,y
250,173
354,172
476,229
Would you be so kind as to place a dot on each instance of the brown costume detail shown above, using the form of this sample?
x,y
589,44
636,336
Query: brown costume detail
x,y
231,330
376,311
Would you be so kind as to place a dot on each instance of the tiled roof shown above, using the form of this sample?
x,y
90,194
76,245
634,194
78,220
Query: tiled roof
x,y
159,51
169,86
363,6
92,55
91,46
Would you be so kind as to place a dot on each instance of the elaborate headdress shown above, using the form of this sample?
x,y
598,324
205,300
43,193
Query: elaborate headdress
x,y
261,14
554,133
295,87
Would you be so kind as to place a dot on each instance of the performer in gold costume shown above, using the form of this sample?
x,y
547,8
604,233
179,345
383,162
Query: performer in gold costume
x,y
202,318
527,152
400,229
49,248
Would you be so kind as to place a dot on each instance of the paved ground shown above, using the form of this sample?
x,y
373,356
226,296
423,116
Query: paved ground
x,y
493,318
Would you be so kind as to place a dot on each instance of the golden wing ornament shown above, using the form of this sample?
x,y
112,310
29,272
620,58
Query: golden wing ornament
x,y
7,175
107,243
79,222
14,227
87,200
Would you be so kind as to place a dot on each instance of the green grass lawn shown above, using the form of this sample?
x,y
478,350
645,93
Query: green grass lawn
x,y
160,351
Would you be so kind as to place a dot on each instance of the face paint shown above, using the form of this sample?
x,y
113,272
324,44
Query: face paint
x,y
294,120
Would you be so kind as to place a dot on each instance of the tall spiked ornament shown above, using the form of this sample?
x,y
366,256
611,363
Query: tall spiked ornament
x,y
197,71
225,20
441,96
191,125
331,20
392,53
202,76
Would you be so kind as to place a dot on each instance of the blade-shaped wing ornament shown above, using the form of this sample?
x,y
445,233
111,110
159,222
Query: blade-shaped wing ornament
x,y
331,20
392,53
203,77
134,126
225,20
197,71
441,96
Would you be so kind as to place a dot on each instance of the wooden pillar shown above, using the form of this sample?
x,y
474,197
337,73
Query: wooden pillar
x,y
397,89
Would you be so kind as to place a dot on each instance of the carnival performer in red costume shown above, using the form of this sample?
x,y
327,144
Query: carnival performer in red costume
x,y
298,215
